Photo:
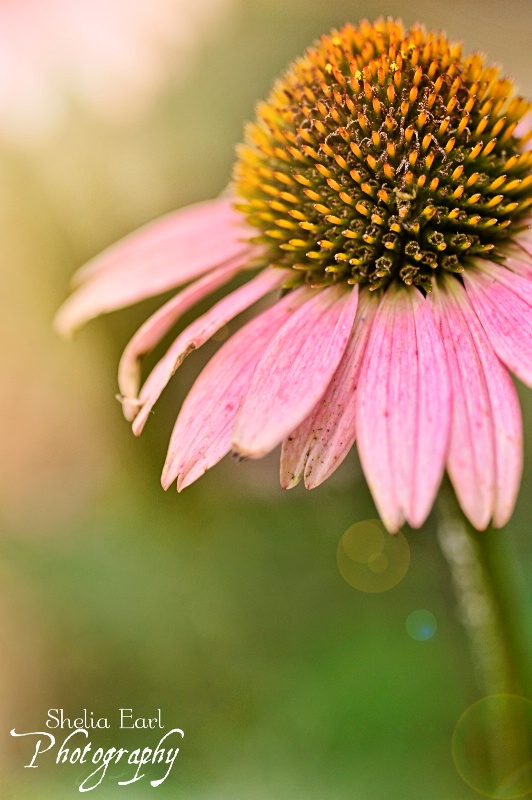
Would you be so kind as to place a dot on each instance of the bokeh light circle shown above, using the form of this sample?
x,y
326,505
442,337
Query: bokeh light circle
x,y
421,625
370,559
492,746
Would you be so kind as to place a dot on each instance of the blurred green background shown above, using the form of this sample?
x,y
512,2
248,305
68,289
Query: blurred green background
x,y
223,606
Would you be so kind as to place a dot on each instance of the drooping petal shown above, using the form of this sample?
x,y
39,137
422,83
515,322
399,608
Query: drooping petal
x,y
157,326
198,333
503,303
508,434
295,370
203,430
484,460
403,408
320,444
335,427
162,255
471,457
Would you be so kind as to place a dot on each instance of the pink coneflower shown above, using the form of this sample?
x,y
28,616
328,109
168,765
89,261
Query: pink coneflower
x,y
382,198
114,54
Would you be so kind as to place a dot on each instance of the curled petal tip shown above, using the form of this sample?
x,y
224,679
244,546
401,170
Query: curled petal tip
x,y
242,452
167,478
185,479
137,426
130,406
63,323
289,482
393,524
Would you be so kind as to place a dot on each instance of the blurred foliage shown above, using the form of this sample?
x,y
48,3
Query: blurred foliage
x,y
223,606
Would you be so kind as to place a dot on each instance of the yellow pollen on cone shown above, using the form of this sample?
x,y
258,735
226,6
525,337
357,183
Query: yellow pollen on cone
x,y
372,152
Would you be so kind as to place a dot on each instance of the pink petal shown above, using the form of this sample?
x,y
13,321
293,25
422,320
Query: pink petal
x,y
403,408
202,433
471,458
520,265
295,450
295,370
199,332
518,261
162,255
322,441
484,460
508,434
157,326
524,131
524,239
503,302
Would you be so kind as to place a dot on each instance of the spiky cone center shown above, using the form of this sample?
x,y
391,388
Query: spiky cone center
x,y
385,155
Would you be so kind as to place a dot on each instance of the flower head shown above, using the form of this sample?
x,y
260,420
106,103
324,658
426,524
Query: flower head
x,y
384,157
385,189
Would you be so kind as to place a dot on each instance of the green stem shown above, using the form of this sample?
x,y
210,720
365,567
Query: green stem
x,y
504,728
478,602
